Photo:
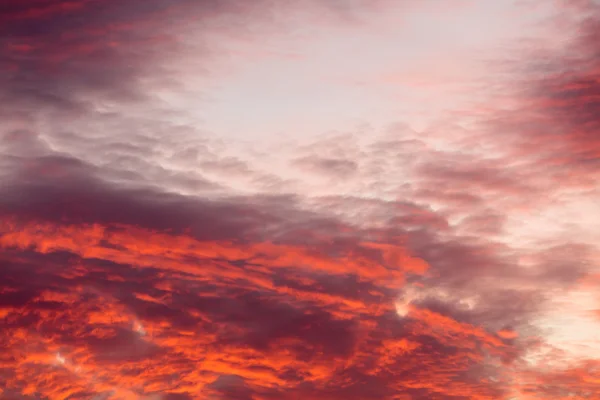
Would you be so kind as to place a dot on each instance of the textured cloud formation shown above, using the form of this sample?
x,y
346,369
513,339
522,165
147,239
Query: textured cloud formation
x,y
145,257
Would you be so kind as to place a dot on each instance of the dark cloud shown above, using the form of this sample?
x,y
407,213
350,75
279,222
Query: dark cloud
x,y
328,167
558,123
56,188
64,52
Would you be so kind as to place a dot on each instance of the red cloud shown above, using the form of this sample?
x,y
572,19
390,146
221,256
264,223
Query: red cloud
x,y
120,291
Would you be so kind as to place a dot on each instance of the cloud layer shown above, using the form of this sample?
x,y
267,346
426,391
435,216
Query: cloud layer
x,y
146,257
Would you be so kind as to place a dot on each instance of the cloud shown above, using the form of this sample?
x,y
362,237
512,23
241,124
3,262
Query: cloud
x,y
143,258
559,110
336,168
205,300
233,287
73,53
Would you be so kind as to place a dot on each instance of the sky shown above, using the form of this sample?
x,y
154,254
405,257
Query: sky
x,y
285,200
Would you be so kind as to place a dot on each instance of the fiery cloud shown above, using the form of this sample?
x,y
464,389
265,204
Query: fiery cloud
x,y
199,201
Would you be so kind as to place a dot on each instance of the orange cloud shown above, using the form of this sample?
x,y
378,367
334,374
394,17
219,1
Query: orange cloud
x,y
193,316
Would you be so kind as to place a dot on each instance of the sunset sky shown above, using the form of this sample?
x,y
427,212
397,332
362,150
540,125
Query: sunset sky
x,y
299,199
